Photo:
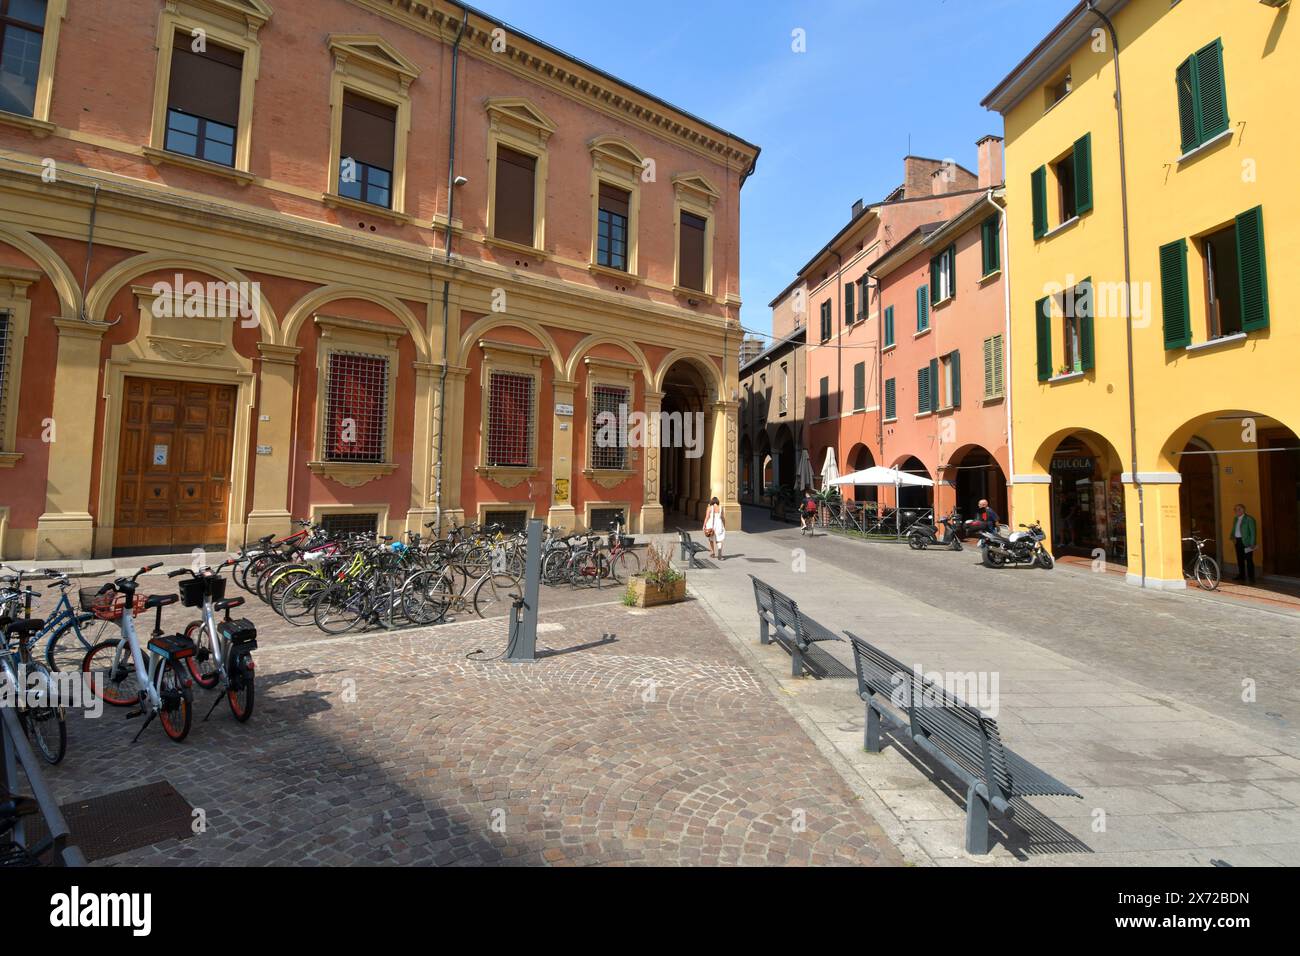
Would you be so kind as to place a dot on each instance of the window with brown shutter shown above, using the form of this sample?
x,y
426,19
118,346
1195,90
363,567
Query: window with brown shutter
x,y
515,194
22,25
690,268
203,100
367,149
611,227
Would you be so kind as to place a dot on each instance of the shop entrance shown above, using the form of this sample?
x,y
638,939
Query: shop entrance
x,y
1087,500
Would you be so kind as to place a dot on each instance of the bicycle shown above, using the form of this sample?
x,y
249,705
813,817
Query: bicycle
x,y
43,722
167,688
64,623
222,650
1204,570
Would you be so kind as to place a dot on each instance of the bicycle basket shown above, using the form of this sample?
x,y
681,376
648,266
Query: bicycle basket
x,y
239,631
108,606
194,590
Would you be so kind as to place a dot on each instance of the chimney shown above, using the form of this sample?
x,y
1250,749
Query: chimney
x,y
990,157
857,209
917,171
940,181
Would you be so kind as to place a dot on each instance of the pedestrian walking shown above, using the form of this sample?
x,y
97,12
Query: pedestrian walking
x,y
1245,535
715,528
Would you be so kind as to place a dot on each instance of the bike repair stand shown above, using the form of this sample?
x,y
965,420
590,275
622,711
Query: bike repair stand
x,y
522,648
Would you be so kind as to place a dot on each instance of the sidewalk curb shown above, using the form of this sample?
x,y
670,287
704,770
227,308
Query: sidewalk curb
x,y
911,851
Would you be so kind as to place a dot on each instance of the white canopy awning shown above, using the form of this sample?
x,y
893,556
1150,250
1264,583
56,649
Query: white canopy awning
x,y
877,475
830,469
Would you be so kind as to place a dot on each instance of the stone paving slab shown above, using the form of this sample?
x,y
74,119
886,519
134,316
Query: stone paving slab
x,y
662,746
1178,785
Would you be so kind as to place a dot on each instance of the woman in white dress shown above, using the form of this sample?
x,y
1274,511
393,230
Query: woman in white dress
x,y
715,529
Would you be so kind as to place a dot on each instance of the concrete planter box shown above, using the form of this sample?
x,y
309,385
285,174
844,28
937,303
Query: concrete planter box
x,y
649,595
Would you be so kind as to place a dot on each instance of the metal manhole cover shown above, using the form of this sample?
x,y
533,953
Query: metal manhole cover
x,y
125,820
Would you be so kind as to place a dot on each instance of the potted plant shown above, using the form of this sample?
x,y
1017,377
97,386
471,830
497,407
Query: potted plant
x,y
659,583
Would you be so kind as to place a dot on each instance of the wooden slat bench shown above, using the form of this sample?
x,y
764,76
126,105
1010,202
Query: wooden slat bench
x,y
780,620
690,549
959,737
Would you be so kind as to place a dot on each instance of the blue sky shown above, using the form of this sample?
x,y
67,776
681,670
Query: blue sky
x,y
829,137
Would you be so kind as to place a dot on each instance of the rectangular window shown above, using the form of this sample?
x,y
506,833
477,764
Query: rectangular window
x,y
1202,96
993,364
859,386
950,380
356,407
849,312
943,275
784,404
862,298
1222,286
22,29
510,420
824,398
826,321
367,149
516,193
889,326
990,246
511,521
1059,89
603,519
203,101
922,308
690,268
348,523
608,437
1065,188
891,409
923,390
611,227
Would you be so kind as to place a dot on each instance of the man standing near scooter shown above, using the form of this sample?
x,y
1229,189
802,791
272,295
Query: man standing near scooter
x,y
986,519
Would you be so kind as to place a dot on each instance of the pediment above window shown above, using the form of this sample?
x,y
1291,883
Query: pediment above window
x,y
521,117
250,15
694,186
615,151
373,54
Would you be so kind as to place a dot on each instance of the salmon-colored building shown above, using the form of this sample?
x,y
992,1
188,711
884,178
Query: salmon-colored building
x,y
351,260
846,289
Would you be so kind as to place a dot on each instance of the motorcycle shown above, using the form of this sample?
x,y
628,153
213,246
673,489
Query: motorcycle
x,y
923,534
1018,549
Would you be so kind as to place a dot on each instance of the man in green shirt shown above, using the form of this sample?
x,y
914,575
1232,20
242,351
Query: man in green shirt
x,y
1244,536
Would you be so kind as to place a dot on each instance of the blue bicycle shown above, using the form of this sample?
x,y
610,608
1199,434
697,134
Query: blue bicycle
x,y
69,632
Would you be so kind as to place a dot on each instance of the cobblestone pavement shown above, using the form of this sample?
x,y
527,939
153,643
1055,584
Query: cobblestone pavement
x,y
661,746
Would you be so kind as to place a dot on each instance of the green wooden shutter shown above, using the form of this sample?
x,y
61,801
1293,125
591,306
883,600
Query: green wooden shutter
x,y
922,308
954,368
859,385
1211,93
1252,269
1173,294
989,240
1184,79
848,304
891,409
988,368
1038,186
1043,322
889,326
923,390
1083,174
934,384
934,280
951,255
1084,309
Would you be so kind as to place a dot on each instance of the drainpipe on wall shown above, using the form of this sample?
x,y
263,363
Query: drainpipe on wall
x,y
446,283
90,251
1004,239
1128,291
839,352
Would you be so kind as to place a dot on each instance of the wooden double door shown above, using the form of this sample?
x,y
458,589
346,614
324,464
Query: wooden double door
x,y
173,474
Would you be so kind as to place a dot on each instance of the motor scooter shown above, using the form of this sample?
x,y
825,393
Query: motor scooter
x,y
923,535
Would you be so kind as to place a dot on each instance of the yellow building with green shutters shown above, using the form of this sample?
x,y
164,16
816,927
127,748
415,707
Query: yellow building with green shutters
x,y
1154,231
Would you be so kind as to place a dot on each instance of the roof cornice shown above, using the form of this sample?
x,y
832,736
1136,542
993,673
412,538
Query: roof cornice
x,y
536,60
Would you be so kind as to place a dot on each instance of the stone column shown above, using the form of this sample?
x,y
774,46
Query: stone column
x,y
420,511
270,512
652,512
1161,516
453,442
66,529
725,462
562,513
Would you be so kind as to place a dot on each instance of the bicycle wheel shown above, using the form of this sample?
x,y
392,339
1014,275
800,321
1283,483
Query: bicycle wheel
x,y
178,701
625,565
110,674
492,594
553,565
1207,573
339,608
67,648
300,599
240,695
281,581
45,724
203,665
427,596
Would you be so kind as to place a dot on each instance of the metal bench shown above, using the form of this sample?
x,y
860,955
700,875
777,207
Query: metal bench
x,y
959,737
690,549
780,620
